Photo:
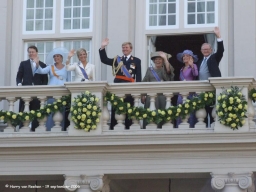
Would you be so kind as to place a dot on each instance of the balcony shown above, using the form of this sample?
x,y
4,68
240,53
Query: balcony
x,y
125,154
99,89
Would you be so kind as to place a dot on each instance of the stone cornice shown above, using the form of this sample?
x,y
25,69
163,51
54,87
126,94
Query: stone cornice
x,y
33,91
163,87
165,142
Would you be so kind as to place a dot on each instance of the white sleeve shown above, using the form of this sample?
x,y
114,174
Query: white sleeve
x,y
71,67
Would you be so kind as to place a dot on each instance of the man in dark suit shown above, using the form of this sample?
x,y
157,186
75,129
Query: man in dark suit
x,y
129,72
26,76
209,65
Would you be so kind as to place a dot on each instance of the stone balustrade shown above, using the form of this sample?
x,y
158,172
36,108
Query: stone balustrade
x,y
10,95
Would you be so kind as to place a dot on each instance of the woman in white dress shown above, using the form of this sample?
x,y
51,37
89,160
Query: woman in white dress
x,y
84,71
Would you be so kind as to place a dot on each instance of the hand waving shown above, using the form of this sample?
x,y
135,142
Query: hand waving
x,y
71,53
217,32
104,43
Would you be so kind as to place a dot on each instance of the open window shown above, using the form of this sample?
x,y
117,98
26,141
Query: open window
x,y
175,44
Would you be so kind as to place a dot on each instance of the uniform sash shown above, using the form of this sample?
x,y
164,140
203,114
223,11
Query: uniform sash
x,y
123,68
83,71
155,74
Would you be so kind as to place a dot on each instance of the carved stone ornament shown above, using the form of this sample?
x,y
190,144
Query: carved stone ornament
x,y
96,183
243,181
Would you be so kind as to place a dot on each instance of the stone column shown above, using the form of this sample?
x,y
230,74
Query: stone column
x,y
84,183
232,182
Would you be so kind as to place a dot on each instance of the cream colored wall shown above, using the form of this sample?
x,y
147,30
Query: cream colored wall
x,y
5,41
244,38
125,21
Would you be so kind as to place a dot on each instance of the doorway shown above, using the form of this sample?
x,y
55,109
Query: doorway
x,y
178,43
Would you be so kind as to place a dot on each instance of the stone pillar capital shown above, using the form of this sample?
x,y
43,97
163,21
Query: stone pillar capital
x,y
241,181
94,183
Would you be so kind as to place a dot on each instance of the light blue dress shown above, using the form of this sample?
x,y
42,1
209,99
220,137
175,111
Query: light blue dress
x,y
64,76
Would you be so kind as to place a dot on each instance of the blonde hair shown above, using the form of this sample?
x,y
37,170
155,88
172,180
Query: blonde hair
x,y
79,51
127,43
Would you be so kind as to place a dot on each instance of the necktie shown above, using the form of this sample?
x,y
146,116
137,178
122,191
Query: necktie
x,y
124,61
204,61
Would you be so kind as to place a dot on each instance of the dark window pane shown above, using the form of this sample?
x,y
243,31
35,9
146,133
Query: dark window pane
x,y
85,24
153,9
86,2
67,23
76,12
210,18
48,3
76,23
171,8
210,6
201,18
86,12
201,7
191,7
77,2
171,19
30,4
67,3
162,20
191,19
153,21
162,9
29,25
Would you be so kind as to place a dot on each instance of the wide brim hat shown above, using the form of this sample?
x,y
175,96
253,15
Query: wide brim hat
x,y
153,55
57,51
187,52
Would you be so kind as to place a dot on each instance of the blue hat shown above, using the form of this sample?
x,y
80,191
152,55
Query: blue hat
x,y
57,51
188,52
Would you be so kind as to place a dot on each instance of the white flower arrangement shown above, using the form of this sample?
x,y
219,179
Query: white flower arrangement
x,y
85,111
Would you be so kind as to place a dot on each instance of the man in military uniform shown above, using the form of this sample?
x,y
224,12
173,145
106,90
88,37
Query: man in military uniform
x,y
126,69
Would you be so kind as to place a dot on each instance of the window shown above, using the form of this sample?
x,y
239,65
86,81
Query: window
x,y
38,16
77,44
201,12
43,49
77,15
162,13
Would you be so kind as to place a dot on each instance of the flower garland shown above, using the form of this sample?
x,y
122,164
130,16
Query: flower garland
x,y
157,116
252,94
16,118
85,111
231,108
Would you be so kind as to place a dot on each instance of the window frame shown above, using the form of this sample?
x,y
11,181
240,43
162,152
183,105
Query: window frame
x,y
36,41
165,26
62,30
216,12
41,31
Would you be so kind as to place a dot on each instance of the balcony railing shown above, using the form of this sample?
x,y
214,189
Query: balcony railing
x,y
10,95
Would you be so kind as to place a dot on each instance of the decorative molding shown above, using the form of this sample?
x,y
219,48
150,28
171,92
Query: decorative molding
x,y
243,181
95,183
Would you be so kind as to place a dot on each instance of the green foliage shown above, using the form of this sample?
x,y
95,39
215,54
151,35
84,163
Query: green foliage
x,y
16,118
232,107
85,111
156,116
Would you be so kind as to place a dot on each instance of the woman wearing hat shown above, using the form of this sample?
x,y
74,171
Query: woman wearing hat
x,y
162,71
188,72
56,69
84,71
58,76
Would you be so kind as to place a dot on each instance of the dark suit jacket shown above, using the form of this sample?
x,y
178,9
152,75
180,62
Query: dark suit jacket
x,y
133,64
25,75
214,61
